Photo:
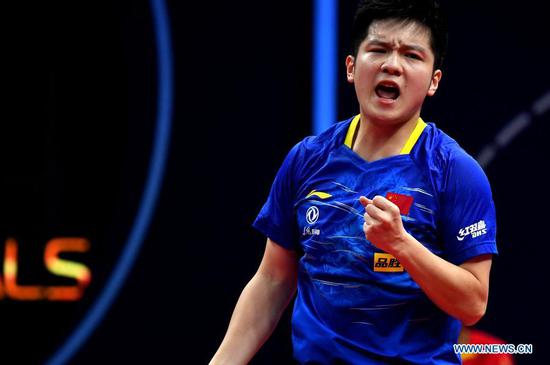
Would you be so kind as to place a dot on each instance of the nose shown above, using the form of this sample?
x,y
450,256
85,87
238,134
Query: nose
x,y
392,64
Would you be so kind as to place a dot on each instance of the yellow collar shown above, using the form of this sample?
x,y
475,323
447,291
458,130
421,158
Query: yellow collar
x,y
411,141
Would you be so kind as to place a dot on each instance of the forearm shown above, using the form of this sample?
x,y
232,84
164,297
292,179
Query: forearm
x,y
452,288
256,315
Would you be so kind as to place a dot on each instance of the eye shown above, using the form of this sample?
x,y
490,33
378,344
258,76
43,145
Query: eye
x,y
378,50
413,56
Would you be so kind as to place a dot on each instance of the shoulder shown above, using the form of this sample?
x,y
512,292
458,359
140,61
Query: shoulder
x,y
443,151
459,170
314,147
447,161
306,156
331,138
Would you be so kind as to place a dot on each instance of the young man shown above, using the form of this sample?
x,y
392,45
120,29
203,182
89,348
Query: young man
x,y
394,220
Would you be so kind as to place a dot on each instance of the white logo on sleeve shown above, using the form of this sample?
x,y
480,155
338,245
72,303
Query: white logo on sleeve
x,y
476,230
312,214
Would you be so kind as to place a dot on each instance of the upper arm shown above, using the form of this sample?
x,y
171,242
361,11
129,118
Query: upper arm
x,y
279,264
480,267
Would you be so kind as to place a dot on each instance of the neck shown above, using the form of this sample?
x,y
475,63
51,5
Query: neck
x,y
375,141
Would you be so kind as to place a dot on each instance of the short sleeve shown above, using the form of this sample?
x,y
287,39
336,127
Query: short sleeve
x,y
468,221
276,218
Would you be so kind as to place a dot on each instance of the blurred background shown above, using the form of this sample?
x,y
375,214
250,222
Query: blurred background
x,y
78,132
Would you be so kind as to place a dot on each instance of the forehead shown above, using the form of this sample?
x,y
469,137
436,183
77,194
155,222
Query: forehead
x,y
397,31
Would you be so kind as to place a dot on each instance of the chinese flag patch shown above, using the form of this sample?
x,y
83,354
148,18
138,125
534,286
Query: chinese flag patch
x,y
404,202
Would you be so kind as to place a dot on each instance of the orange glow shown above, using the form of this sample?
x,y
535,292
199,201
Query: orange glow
x,y
66,268
57,266
13,290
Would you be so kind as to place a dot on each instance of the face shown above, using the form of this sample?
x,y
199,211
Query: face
x,y
393,71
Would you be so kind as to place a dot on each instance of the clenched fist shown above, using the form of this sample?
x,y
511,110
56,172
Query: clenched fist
x,y
383,226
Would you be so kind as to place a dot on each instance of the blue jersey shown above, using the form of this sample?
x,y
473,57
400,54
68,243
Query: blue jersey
x,y
355,303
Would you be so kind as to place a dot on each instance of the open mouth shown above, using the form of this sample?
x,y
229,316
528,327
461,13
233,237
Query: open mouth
x,y
387,90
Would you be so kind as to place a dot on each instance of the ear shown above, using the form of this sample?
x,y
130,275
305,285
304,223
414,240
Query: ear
x,y
434,83
350,68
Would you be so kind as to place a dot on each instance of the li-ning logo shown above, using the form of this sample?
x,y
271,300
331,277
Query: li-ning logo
x,y
319,194
312,214
476,230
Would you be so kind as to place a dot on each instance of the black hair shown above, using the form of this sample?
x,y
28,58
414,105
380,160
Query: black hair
x,y
426,12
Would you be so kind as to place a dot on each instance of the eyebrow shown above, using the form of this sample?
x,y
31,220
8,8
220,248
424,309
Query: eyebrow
x,y
414,47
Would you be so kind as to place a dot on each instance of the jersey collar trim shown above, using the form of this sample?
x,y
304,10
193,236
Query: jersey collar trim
x,y
351,131
413,138
411,141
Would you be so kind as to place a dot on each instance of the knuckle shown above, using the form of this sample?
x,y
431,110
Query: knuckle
x,y
369,209
395,209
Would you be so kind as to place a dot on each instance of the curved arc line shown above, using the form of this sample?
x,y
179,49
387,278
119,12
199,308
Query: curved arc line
x,y
150,194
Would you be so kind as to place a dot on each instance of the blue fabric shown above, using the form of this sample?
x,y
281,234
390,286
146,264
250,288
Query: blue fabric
x,y
346,310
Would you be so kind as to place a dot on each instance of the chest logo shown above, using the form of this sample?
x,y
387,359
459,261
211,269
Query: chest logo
x,y
312,214
318,194
384,262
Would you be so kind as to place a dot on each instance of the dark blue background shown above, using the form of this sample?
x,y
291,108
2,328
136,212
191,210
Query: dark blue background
x,y
77,132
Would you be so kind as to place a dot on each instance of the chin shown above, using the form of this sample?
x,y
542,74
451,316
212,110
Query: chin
x,y
386,118
389,116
